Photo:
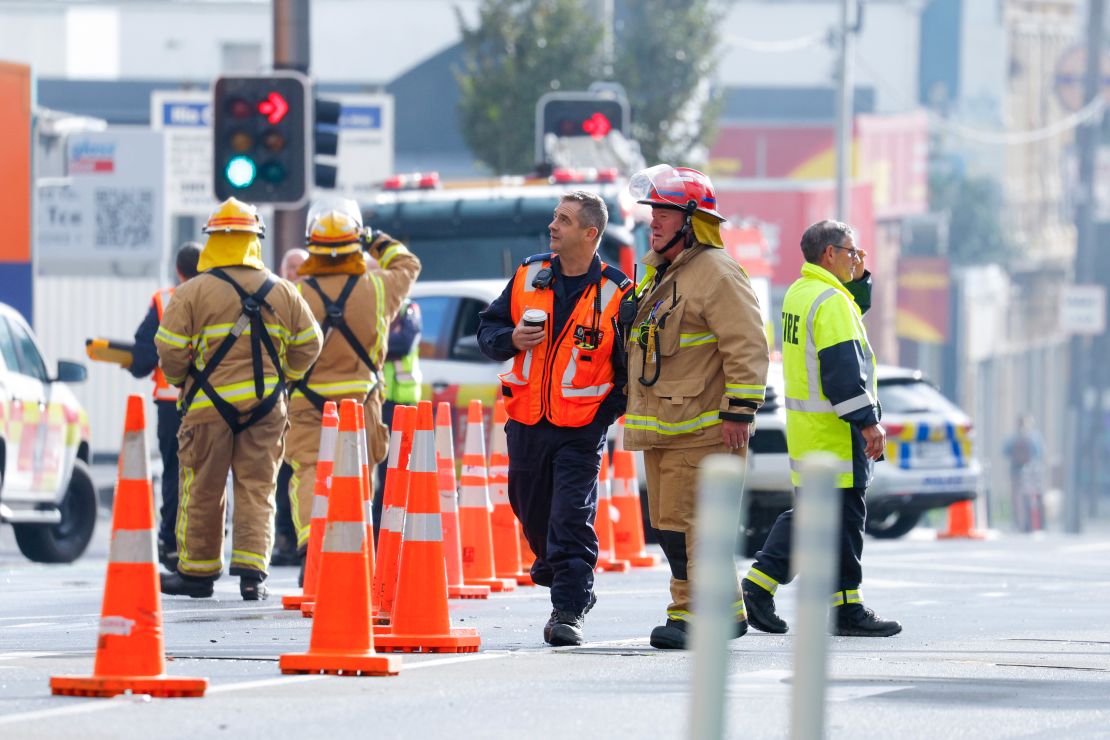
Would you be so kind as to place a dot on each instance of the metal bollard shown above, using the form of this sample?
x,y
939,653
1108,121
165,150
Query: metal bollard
x,y
720,488
814,556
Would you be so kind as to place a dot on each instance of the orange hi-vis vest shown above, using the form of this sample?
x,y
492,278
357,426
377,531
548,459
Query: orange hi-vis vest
x,y
163,391
564,379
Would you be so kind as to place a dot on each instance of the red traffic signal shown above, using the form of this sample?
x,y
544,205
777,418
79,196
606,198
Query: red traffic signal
x,y
274,107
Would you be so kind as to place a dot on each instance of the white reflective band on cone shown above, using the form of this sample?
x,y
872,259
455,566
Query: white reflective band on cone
x,y
474,471
319,507
328,436
344,537
423,457
423,528
368,512
394,450
472,497
132,546
133,463
118,626
447,501
393,518
347,459
501,471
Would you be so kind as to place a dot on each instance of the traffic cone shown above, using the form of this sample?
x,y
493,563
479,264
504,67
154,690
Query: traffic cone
x,y
367,503
130,652
603,522
394,498
961,522
342,641
419,621
503,523
329,429
449,508
474,509
628,525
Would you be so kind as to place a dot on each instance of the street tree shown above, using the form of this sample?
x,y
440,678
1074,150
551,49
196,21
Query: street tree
x,y
975,232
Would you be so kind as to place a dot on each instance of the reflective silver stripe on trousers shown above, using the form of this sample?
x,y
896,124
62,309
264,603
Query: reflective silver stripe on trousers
x,y
839,467
132,546
472,497
133,464
393,518
344,537
319,507
423,528
347,460
423,457
328,435
859,402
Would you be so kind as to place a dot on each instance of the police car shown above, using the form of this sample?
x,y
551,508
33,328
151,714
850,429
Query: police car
x,y
46,490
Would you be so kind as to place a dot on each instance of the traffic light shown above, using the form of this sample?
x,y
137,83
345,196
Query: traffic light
x,y
261,150
325,141
581,114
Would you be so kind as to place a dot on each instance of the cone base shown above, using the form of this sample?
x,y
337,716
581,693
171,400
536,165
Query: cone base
x,y
643,560
164,687
496,585
308,608
521,578
459,641
468,592
614,566
293,602
341,664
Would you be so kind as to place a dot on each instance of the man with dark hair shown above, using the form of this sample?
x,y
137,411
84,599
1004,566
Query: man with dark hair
x,y
832,406
144,362
556,320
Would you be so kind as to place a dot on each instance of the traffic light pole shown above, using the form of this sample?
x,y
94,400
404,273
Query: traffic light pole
x,y
291,51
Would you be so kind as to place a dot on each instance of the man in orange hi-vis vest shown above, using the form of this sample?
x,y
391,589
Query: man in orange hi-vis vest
x,y
557,322
144,362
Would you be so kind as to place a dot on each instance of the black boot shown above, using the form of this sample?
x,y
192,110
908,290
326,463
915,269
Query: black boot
x,y
854,620
285,550
176,584
760,606
167,554
253,587
669,636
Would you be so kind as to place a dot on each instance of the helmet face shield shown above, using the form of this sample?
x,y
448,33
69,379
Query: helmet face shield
x,y
674,187
334,233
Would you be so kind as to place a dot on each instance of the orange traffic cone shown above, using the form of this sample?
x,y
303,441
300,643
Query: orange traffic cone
x,y
474,509
329,428
420,622
449,508
961,522
603,523
342,641
394,498
130,653
504,528
628,525
367,503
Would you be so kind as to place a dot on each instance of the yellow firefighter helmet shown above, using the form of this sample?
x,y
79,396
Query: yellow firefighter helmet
x,y
333,233
235,215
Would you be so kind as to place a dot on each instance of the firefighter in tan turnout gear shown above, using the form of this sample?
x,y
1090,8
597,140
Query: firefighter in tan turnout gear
x,y
697,367
354,306
231,338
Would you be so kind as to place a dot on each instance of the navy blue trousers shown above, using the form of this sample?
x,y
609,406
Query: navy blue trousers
x,y
553,491
774,558
168,423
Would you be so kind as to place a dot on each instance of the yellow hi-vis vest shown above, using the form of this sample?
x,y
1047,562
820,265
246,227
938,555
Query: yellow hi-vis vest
x,y
402,378
818,312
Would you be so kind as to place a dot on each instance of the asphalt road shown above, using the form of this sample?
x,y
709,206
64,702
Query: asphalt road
x,y
1003,638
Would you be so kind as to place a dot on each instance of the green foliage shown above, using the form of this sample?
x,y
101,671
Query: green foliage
x,y
974,205
665,52
520,50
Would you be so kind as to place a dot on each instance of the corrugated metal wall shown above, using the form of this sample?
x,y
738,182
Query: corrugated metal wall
x,y
71,309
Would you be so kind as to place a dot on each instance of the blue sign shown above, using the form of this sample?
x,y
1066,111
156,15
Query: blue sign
x,y
360,117
186,114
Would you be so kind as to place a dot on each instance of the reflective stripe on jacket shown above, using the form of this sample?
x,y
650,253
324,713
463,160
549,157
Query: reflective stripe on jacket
x,y
829,372
563,379
711,350
163,391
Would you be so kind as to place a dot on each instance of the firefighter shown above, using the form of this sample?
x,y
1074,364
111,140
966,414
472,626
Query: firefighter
x,y
401,378
556,320
354,306
831,406
231,339
697,365
144,362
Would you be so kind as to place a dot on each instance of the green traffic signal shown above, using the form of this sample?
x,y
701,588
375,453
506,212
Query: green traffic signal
x,y
241,171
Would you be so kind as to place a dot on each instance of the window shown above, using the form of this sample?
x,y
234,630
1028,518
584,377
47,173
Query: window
x,y
464,344
7,348
913,397
436,313
30,361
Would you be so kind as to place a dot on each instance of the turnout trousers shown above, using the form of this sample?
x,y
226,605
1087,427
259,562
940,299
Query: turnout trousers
x,y
207,451
553,491
772,563
169,422
302,448
672,483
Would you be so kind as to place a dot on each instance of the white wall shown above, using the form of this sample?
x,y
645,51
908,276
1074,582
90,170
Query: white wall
x,y
34,35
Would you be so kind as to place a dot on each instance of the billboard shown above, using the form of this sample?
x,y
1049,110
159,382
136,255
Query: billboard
x,y
16,275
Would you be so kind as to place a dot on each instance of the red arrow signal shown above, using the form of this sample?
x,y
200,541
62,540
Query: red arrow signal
x,y
597,126
274,107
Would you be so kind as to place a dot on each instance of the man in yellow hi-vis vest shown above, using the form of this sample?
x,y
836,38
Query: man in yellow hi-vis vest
x,y
831,406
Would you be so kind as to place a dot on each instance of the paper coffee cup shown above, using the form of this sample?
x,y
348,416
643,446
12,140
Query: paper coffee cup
x,y
535,317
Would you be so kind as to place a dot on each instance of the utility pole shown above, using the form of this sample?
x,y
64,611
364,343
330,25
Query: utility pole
x,y
844,118
1084,401
291,51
